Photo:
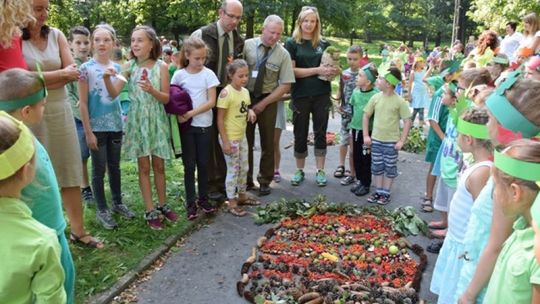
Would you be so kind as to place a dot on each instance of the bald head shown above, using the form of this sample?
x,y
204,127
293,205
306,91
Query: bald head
x,y
230,14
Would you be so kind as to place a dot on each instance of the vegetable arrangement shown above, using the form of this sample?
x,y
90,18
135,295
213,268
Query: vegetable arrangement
x,y
333,254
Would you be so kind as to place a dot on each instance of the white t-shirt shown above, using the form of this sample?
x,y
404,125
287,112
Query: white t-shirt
x,y
529,40
510,44
197,86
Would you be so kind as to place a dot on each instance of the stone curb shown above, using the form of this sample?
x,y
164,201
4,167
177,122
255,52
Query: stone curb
x,y
128,278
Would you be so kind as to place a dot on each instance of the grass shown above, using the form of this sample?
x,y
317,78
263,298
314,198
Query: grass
x,y
98,270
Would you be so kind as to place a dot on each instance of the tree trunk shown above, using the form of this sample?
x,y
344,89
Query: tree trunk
x,y
438,39
250,23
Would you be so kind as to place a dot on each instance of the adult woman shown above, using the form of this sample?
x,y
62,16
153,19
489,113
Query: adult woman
x,y
310,95
48,47
486,48
531,33
13,14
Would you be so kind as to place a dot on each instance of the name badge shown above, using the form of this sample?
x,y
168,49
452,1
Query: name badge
x,y
254,74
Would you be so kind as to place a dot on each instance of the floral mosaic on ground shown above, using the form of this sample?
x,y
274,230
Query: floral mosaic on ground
x,y
346,255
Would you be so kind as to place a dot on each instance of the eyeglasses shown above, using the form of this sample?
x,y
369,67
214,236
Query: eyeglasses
x,y
305,8
232,16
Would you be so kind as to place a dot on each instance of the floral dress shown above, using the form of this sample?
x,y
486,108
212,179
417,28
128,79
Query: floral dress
x,y
147,127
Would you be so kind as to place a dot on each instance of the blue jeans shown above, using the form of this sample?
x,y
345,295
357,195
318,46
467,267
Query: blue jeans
x,y
195,155
108,154
85,152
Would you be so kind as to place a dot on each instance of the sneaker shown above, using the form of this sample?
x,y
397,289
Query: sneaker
x,y
192,211
277,177
384,199
347,180
297,178
105,219
320,178
361,191
206,206
123,210
153,219
86,194
356,185
374,198
168,213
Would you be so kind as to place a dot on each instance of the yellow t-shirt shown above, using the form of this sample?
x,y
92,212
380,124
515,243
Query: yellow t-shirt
x,y
388,111
236,102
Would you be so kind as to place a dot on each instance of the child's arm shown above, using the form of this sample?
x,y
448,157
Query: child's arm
x,y
477,180
91,140
365,129
162,95
115,88
404,134
226,147
535,294
501,228
48,283
435,126
209,104
338,94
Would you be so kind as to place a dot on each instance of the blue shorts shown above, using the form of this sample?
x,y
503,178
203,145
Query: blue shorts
x,y
85,152
384,158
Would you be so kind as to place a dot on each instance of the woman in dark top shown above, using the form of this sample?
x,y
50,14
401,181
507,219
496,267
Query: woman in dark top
x,y
310,94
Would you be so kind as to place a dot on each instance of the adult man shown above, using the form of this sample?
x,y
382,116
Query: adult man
x,y
271,76
511,42
225,43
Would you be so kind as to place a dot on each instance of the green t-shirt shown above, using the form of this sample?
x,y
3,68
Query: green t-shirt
x,y
73,93
436,82
452,156
438,113
359,100
306,56
388,111
172,69
516,269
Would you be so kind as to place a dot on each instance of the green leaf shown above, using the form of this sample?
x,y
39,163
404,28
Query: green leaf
x,y
259,299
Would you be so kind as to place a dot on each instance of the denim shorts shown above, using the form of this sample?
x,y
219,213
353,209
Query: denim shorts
x,y
384,158
85,152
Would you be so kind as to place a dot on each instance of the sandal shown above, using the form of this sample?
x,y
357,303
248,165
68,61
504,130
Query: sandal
x,y
347,173
427,205
436,225
340,172
236,211
250,201
435,247
93,243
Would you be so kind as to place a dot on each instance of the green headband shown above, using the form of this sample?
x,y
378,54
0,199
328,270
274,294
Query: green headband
x,y
14,104
501,60
452,87
517,168
505,113
368,72
12,159
391,79
478,131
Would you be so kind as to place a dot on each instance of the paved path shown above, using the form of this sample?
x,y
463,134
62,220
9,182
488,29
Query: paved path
x,y
205,269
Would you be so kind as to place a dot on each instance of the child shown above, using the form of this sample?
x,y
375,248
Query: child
x,y
200,83
418,96
497,68
450,156
347,84
233,115
362,157
102,120
473,138
388,108
34,272
147,127
25,92
516,276
79,42
483,241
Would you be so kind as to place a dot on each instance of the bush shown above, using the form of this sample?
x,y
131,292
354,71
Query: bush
x,y
416,141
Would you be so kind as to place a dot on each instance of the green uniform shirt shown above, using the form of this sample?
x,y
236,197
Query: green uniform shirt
x,y
306,56
436,82
388,111
516,269
359,99
30,253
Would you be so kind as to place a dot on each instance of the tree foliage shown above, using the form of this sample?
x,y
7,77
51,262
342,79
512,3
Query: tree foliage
x,y
496,13
406,20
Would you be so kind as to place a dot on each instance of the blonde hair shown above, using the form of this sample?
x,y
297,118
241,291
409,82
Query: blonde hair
x,y
297,33
531,19
14,14
189,45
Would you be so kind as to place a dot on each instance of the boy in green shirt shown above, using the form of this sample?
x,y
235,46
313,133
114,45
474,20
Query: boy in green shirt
x,y
388,109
